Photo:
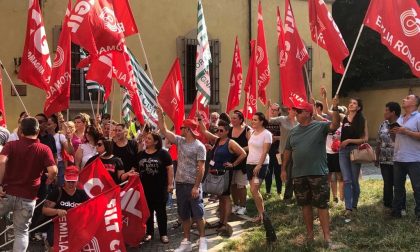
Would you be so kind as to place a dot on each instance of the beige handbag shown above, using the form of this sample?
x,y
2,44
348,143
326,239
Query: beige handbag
x,y
364,153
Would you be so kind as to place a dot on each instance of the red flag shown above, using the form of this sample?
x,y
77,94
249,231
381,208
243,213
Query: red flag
x,y
95,179
326,34
250,88
2,111
171,96
263,76
95,225
135,211
125,16
94,26
100,71
36,63
58,89
235,79
293,56
398,24
204,112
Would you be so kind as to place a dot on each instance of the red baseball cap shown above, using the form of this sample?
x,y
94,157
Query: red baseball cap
x,y
304,106
71,173
192,125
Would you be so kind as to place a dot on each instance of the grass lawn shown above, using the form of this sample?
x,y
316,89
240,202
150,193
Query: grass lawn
x,y
369,230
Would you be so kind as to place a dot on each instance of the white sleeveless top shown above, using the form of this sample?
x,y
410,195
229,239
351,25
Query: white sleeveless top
x,y
88,152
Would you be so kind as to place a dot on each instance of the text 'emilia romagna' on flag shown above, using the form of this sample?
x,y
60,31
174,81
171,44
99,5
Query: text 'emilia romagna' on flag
x,y
398,23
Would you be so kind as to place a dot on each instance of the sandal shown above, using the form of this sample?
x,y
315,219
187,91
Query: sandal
x,y
147,238
176,225
164,239
214,225
225,230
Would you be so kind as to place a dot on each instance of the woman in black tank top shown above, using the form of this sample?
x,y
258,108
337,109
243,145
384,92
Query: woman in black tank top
x,y
353,133
239,180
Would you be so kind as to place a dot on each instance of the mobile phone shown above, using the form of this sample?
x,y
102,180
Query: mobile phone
x,y
393,125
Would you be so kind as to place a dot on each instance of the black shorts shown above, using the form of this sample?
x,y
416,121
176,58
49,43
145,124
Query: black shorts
x,y
312,190
333,162
261,174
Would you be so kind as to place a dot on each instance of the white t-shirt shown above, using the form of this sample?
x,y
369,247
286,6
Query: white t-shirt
x,y
59,138
333,137
256,146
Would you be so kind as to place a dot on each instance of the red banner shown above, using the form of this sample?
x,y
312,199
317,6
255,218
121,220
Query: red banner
x,y
94,225
95,179
125,16
235,79
135,211
204,112
171,96
398,24
58,89
326,34
100,71
250,88
94,26
35,68
293,55
2,110
263,68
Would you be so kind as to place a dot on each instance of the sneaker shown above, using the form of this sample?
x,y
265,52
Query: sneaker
x,y
347,216
185,246
403,212
241,211
202,245
235,208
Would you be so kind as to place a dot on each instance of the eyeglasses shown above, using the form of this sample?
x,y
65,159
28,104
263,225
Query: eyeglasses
x,y
220,130
99,144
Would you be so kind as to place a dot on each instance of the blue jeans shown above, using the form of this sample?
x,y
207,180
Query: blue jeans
x,y
23,210
401,169
350,172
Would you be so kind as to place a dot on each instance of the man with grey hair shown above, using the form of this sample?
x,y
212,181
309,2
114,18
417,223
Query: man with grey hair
x,y
22,163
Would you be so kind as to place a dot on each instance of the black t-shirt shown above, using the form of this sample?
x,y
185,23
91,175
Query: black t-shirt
x,y
127,154
153,173
112,165
243,142
66,201
348,131
274,128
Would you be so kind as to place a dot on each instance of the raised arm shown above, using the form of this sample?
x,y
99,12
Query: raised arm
x,y
162,126
335,124
211,137
325,101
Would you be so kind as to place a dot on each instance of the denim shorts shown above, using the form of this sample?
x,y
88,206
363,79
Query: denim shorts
x,y
187,206
261,174
312,190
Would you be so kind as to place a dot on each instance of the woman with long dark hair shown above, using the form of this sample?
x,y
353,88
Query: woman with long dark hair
x,y
354,131
87,149
157,176
258,159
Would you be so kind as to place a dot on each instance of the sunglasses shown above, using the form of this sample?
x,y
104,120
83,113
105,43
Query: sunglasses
x,y
220,130
99,144
299,111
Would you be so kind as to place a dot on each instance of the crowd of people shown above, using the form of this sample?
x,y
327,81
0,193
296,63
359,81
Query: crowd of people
x,y
306,147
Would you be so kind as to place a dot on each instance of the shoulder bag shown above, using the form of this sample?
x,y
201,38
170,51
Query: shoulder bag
x,y
364,153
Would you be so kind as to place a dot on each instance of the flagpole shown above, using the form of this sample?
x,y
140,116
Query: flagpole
x,y
351,56
149,70
99,99
112,105
309,84
68,116
91,104
122,103
318,48
13,86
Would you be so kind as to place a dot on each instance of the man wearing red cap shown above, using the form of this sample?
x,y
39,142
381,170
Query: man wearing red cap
x,y
190,172
62,199
306,146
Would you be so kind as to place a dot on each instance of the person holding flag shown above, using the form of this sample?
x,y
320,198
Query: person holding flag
x,y
61,199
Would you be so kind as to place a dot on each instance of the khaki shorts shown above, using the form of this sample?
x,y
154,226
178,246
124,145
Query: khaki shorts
x,y
239,179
